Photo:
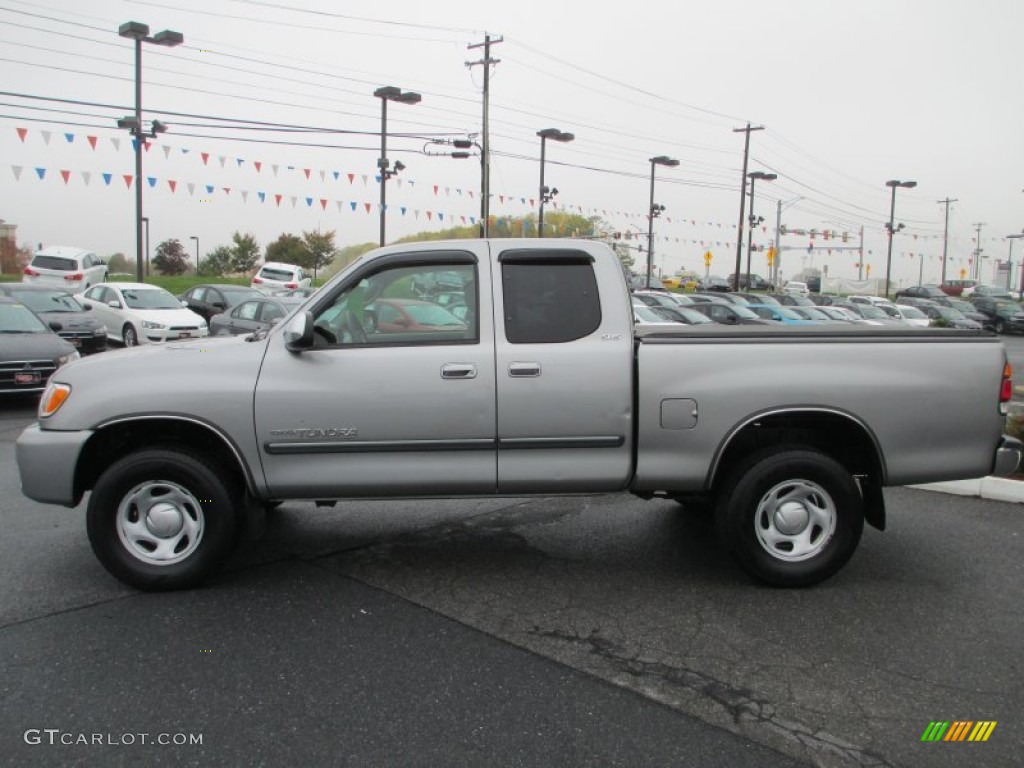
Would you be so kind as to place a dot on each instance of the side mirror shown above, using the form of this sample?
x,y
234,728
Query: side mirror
x,y
183,302
87,307
114,303
55,326
299,333
218,305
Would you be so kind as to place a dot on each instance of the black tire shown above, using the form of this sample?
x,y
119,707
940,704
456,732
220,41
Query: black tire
x,y
804,533
189,526
130,336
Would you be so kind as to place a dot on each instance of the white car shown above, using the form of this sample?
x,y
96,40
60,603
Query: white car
x,y
875,300
137,313
913,315
274,276
799,288
66,267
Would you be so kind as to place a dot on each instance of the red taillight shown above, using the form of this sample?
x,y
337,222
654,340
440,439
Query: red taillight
x,y
291,285
1006,390
31,272
256,281
75,277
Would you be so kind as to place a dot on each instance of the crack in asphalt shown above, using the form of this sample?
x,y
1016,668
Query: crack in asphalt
x,y
742,705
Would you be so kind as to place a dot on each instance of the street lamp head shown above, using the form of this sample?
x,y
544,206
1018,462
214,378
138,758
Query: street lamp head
x,y
399,166
763,176
159,127
168,38
663,160
128,122
409,97
555,134
135,30
460,155
897,183
462,144
387,92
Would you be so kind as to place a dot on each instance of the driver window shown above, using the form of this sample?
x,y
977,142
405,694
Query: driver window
x,y
403,305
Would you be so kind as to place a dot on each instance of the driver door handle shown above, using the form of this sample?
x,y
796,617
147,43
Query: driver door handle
x,y
458,371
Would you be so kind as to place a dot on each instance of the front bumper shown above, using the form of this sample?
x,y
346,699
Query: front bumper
x,y
46,462
1008,456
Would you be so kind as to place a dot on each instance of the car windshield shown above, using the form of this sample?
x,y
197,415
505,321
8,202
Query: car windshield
x,y
61,263
743,312
912,313
149,298
693,317
646,314
16,318
235,295
809,313
871,312
47,301
963,306
949,313
431,314
1007,308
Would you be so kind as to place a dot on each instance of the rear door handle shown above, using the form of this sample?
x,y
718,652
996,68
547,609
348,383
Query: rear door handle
x,y
458,371
524,370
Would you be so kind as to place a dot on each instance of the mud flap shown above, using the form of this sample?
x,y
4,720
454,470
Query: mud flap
x,y
874,503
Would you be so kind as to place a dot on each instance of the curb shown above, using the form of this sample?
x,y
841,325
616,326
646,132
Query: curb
x,y
995,488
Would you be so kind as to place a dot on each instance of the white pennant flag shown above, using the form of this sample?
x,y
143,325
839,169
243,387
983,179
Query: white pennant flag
x,y
46,137
293,200
86,177
116,142
221,158
191,189
167,151
17,172
245,195
323,176
274,169
340,204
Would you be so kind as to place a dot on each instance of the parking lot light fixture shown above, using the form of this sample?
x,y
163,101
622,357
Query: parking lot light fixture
x,y
891,227
197,253
655,210
546,193
752,220
388,93
139,32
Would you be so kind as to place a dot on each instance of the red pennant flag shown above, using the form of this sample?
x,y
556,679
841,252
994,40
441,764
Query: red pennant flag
x,y
258,165
323,203
351,178
127,180
501,198
66,175
306,171
277,199
22,133
227,190
435,189
145,146
205,156
367,207
173,185
92,141
430,214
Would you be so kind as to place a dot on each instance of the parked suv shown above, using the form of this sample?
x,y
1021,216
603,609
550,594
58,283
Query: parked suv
x,y
65,267
275,276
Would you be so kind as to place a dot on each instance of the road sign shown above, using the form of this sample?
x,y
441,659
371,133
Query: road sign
x,y
707,258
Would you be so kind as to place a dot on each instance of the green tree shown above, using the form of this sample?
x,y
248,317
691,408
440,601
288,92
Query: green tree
x,y
321,249
245,253
119,263
217,261
289,249
171,258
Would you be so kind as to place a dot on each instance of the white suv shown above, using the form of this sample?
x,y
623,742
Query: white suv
x,y
275,276
66,267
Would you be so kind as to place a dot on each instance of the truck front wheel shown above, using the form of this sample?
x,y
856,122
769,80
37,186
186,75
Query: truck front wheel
x,y
163,519
791,517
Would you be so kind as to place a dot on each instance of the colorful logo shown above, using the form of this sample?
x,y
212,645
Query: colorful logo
x,y
959,730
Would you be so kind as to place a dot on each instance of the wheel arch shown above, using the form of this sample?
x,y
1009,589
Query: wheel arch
x,y
836,433
113,440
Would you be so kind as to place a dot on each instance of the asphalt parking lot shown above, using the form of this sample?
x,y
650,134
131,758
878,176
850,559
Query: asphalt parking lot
x,y
598,630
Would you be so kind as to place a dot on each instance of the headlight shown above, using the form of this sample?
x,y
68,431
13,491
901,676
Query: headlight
x,y
101,331
153,326
65,359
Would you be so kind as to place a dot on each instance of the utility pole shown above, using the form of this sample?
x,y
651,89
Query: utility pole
x,y
743,200
860,255
485,144
945,236
977,251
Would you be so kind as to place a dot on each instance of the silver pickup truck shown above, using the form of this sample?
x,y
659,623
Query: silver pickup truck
x,y
529,378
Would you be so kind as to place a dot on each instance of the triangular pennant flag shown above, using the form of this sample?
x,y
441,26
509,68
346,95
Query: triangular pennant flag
x,y
294,199
70,138
221,158
309,202
107,177
440,216
430,215
339,203
191,189
22,133
127,180
376,178
402,209
46,137
470,193
367,207
274,169
351,178
17,172
323,175
365,178
41,173
323,204
239,160
65,175
209,189
262,196
135,145
416,213
146,145
185,151
278,199
306,171
152,181
86,177
399,182
336,174
116,142
173,185
205,156
436,188
227,190
259,166
245,196
353,206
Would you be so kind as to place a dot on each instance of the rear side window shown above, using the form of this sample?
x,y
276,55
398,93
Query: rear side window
x,y
55,262
549,302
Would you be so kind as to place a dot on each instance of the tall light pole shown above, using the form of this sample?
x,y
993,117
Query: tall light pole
x,y
547,194
388,93
145,220
754,220
654,211
945,236
1009,265
890,227
139,32
197,253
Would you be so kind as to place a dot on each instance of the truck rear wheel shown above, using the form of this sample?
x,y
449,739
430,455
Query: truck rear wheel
x,y
163,519
791,517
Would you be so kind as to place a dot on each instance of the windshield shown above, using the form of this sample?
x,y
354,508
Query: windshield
x,y
743,312
810,313
149,298
912,313
47,301
645,314
871,313
693,317
15,318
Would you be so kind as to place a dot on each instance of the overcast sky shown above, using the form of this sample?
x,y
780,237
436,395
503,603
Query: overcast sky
x,y
849,95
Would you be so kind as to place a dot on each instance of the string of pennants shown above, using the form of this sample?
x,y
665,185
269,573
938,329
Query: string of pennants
x,y
310,201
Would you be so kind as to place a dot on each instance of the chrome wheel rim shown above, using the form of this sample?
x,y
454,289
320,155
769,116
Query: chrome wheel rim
x,y
160,523
795,520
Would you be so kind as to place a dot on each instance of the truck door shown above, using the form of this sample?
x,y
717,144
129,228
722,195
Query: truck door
x,y
564,350
400,408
